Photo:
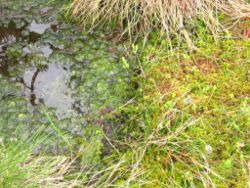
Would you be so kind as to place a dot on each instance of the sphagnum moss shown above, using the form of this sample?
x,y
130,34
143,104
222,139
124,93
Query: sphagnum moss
x,y
210,88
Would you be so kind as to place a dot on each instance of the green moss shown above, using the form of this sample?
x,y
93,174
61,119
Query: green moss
x,y
211,86
14,52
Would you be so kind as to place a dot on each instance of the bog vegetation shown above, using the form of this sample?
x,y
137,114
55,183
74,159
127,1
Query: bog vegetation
x,y
187,122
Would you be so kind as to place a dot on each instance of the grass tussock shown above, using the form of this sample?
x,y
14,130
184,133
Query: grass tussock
x,y
19,167
172,17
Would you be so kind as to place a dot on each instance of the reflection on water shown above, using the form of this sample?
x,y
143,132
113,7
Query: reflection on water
x,y
38,28
10,33
43,60
46,50
47,84
50,87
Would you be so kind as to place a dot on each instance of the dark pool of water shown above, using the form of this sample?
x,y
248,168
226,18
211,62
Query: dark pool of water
x,y
9,34
50,73
48,84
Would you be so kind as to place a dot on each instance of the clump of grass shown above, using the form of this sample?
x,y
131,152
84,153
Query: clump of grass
x,y
19,167
171,17
23,164
136,162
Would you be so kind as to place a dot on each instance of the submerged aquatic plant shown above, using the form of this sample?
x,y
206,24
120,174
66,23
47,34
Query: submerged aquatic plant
x,y
172,17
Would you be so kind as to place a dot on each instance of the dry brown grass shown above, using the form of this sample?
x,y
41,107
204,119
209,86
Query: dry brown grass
x,y
169,16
